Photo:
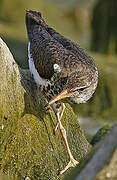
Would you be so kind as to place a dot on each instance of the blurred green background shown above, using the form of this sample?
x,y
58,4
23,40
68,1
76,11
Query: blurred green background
x,y
90,23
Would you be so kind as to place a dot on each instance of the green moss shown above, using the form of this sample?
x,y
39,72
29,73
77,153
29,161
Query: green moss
x,y
28,147
101,133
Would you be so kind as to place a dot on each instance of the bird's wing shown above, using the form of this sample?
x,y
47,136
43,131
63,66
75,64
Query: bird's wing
x,y
47,51
67,43
73,47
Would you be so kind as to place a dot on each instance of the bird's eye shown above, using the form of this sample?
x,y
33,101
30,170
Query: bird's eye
x,y
82,89
77,89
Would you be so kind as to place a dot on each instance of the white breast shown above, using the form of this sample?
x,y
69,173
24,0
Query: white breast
x,y
37,78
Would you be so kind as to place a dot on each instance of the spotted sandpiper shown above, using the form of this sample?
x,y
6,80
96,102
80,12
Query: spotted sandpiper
x,y
61,68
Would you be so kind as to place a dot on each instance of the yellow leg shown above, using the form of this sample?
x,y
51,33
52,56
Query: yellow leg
x,y
72,161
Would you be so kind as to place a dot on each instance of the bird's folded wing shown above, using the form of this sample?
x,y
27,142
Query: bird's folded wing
x,y
66,43
46,52
49,48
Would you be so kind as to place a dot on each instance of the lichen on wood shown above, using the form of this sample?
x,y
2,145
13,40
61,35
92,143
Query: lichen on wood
x,y
28,147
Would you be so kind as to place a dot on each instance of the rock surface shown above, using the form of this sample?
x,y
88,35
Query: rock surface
x,y
28,147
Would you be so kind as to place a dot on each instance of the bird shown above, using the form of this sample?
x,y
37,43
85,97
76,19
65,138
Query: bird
x,y
63,70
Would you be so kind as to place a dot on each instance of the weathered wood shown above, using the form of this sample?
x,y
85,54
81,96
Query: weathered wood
x,y
28,147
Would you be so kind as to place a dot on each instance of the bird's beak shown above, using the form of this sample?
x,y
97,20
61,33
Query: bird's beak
x,y
64,94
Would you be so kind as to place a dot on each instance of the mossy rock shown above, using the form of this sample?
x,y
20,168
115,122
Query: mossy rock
x,y
101,134
28,147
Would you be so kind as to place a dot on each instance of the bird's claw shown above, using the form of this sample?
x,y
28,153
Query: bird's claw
x,y
72,163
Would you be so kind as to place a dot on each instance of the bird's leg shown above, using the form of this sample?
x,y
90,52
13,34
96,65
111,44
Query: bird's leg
x,y
72,161
61,111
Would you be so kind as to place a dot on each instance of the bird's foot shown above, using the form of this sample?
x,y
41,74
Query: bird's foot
x,y
72,163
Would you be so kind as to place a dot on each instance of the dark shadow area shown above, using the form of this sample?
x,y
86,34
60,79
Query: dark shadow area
x,y
19,50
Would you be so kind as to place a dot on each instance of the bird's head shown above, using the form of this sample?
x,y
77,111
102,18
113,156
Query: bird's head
x,y
78,88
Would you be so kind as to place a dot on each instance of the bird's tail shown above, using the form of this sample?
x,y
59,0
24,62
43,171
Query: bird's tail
x,y
33,18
